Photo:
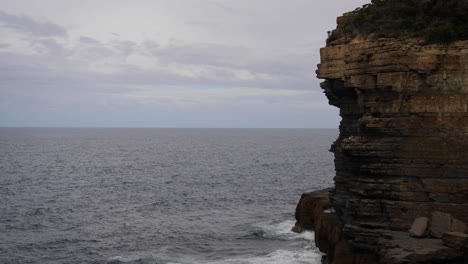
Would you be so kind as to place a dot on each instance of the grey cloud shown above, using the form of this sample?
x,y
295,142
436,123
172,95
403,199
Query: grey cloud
x,y
60,71
124,47
93,52
49,46
290,70
91,49
247,46
150,45
230,9
210,54
217,78
88,40
28,25
220,64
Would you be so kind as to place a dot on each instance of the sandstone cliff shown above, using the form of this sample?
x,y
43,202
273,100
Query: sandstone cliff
x,y
402,152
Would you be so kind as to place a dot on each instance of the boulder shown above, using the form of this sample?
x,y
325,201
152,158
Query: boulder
x,y
457,226
297,228
405,249
440,223
419,226
309,208
455,240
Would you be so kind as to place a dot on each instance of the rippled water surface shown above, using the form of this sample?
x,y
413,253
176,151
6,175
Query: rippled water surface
x,y
183,196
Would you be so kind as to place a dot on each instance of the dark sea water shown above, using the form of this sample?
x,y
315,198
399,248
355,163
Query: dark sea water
x,y
211,196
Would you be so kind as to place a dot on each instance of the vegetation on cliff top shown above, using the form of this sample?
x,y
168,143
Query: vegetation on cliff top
x,y
437,21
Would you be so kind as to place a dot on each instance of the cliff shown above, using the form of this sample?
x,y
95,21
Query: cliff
x,y
401,158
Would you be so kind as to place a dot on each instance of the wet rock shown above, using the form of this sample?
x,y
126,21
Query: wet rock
x,y
419,226
313,212
297,228
328,231
310,206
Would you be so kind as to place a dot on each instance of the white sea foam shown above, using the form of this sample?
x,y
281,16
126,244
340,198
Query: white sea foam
x,y
304,256
283,230
277,229
134,259
305,253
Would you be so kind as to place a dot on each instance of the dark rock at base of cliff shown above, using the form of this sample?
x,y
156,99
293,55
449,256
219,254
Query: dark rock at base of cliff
x,y
310,206
314,212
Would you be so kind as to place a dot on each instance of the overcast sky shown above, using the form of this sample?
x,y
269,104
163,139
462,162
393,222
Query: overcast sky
x,y
165,63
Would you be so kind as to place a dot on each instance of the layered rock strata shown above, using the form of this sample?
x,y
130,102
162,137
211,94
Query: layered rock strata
x,y
314,212
402,152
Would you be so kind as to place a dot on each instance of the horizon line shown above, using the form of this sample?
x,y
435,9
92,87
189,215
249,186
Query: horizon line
x,y
170,127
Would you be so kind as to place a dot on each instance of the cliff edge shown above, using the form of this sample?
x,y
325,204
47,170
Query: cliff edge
x,y
401,159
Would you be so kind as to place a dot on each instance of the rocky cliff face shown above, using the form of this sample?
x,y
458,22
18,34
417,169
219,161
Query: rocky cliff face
x,y
402,152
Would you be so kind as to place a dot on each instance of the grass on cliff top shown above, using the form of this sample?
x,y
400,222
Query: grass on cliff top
x,y
437,21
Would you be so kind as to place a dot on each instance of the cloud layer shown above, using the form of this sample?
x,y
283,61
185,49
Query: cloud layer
x,y
57,75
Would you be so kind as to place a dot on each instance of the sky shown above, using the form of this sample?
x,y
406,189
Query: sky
x,y
165,63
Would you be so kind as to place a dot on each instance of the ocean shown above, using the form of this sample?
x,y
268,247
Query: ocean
x,y
153,195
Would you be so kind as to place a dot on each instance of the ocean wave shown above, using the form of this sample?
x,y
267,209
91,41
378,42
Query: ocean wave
x,y
282,230
279,229
136,260
305,256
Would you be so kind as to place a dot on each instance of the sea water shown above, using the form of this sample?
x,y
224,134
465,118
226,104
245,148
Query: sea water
x,y
121,195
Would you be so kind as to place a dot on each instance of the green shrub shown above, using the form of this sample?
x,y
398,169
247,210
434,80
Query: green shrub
x,y
437,21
